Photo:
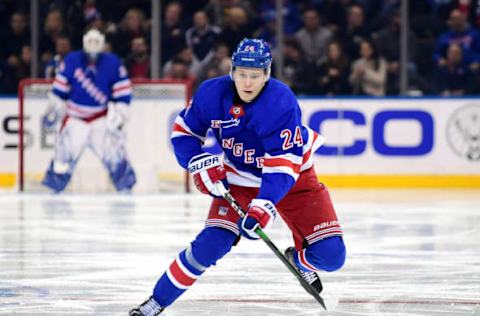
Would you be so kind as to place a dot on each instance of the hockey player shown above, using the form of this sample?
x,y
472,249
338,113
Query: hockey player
x,y
267,166
89,105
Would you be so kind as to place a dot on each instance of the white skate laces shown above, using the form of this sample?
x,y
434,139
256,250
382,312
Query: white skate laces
x,y
151,307
309,276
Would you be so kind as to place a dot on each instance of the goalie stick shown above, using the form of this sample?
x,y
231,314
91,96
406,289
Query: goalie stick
x,y
241,212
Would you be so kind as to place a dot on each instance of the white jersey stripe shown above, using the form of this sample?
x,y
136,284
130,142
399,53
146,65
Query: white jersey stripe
x,y
297,160
281,169
323,231
223,224
175,282
122,84
185,270
242,178
121,93
332,234
179,120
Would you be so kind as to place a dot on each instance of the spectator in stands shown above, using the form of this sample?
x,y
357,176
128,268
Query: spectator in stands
x,y
354,32
133,25
297,68
472,10
218,10
14,37
178,70
218,65
335,13
53,29
173,31
185,55
92,17
388,42
369,72
237,26
291,16
333,72
13,40
7,84
313,37
138,61
268,29
62,47
78,23
460,33
21,68
453,77
202,36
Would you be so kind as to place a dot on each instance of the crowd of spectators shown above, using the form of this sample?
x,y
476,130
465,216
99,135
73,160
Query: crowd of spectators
x,y
331,47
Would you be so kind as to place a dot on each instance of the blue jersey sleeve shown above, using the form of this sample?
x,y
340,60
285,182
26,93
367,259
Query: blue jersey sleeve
x,y
122,87
190,129
62,84
282,140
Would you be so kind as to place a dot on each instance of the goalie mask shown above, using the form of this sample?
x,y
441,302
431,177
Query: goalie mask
x,y
252,53
93,43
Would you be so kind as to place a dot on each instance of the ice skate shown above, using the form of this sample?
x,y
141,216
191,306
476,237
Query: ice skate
x,y
310,276
148,308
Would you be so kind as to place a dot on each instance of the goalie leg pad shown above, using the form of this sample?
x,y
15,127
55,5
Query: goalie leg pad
x,y
56,181
210,245
327,254
123,176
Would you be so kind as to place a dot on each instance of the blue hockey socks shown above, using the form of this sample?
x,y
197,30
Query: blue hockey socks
x,y
210,245
326,254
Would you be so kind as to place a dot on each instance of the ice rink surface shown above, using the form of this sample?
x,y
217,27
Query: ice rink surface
x,y
409,253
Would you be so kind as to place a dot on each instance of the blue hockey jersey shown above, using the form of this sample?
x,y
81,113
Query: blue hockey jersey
x,y
88,87
264,142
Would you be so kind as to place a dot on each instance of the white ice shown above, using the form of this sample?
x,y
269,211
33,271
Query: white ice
x,y
409,253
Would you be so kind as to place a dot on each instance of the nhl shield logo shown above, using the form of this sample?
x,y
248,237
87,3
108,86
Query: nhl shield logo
x,y
463,132
237,111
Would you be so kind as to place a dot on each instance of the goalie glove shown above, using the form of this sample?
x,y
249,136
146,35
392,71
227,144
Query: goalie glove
x,y
55,111
260,213
206,170
116,116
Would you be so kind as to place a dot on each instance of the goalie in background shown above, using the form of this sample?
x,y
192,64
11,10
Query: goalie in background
x,y
89,105
267,166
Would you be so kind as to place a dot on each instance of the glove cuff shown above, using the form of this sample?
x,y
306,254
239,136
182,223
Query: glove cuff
x,y
202,162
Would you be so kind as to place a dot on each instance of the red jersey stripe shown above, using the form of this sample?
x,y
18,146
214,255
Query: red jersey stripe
x,y
281,162
180,276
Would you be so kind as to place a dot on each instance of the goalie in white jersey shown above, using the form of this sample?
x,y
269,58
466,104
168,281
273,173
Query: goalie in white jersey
x,y
89,105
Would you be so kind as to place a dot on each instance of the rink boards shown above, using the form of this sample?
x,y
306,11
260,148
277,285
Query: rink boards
x,y
384,142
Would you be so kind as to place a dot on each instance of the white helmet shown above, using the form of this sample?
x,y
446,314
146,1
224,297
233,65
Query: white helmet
x,y
93,42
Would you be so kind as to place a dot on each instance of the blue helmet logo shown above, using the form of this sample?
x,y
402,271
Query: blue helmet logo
x,y
253,53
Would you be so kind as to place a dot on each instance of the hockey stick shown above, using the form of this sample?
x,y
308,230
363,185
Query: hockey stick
x,y
241,212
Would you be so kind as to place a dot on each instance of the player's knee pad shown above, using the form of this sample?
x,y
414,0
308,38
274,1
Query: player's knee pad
x,y
212,244
123,176
56,181
327,254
